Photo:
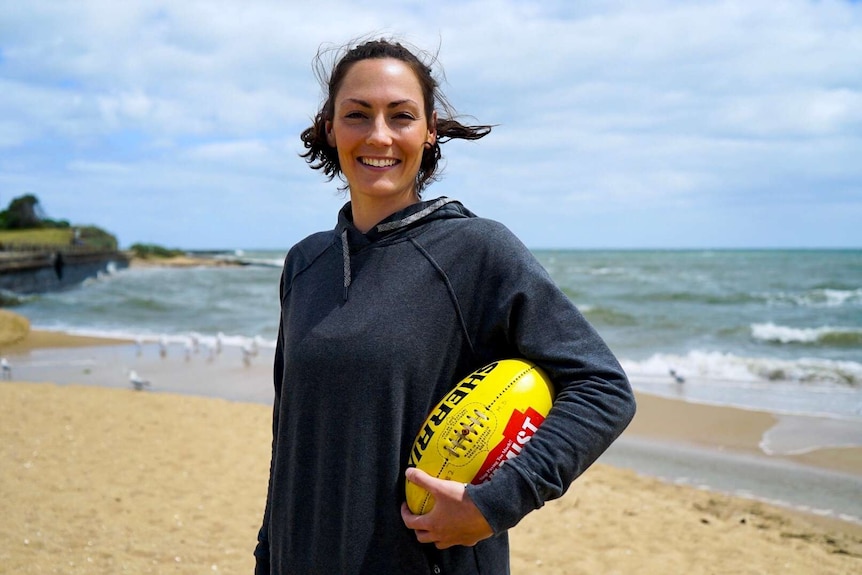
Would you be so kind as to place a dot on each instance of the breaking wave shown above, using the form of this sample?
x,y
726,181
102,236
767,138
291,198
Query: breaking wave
x,y
728,367
820,297
825,335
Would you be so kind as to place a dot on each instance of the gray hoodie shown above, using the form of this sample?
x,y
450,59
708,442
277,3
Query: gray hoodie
x,y
375,329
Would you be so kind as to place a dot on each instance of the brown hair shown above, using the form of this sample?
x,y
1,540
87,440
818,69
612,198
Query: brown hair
x,y
321,156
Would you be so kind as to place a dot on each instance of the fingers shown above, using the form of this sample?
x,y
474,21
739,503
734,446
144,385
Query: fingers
x,y
421,479
454,520
422,525
417,523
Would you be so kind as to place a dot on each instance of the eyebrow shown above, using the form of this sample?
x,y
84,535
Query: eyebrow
x,y
394,104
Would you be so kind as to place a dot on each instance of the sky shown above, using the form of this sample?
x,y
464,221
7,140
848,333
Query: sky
x,y
619,124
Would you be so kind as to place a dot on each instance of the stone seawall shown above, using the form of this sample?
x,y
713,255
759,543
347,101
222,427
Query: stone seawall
x,y
44,271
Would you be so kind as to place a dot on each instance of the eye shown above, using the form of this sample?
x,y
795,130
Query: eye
x,y
405,116
355,115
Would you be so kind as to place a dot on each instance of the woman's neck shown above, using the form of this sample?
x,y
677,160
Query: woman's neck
x,y
368,212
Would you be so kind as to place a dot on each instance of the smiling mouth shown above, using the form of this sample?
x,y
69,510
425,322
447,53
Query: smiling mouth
x,y
379,162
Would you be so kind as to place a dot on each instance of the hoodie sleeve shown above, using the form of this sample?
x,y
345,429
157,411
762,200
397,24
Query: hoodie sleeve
x,y
300,257
594,402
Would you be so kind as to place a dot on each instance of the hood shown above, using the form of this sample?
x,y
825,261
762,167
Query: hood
x,y
396,225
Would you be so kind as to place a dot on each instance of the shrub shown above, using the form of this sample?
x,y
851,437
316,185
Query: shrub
x,y
154,251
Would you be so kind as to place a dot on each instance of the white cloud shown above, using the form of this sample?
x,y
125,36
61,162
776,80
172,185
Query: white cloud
x,y
674,108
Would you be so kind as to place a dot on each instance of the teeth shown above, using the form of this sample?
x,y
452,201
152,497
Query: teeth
x,y
379,162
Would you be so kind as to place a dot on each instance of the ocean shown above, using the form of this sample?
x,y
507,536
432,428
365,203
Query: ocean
x,y
776,330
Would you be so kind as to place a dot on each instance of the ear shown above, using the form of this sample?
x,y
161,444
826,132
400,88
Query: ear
x,y
432,128
330,136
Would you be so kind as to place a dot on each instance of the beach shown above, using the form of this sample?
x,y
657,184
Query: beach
x,y
100,478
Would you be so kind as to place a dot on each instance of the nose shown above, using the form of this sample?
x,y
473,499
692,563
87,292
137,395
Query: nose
x,y
380,134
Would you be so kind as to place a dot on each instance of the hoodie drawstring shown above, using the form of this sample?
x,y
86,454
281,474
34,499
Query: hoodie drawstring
x,y
428,209
345,256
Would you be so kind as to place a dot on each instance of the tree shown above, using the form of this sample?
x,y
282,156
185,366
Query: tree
x,y
23,212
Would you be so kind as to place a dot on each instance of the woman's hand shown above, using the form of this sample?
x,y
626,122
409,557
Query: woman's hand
x,y
454,520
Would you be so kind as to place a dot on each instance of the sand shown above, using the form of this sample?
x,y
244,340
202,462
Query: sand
x,y
14,328
98,480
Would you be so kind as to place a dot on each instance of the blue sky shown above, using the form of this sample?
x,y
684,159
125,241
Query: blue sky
x,y
621,124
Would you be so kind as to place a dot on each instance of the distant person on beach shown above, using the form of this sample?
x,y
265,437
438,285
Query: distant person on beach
x,y
58,265
384,314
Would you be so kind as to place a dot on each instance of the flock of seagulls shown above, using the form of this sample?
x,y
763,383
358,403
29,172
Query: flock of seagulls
x,y
195,345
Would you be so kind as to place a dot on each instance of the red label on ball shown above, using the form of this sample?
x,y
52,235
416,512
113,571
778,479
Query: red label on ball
x,y
519,430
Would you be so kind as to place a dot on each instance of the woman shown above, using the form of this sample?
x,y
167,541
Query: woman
x,y
384,314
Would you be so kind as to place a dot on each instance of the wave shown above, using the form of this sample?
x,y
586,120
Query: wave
x,y
731,368
605,316
254,261
819,297
267,259
825,335
729,299
814,298
12,299
606,271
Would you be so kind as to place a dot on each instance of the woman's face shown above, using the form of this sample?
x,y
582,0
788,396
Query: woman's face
x,y
379,130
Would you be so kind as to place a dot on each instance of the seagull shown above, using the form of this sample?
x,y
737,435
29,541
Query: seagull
x,y
195,340
247,354
677,377
137,381
208,351
7,369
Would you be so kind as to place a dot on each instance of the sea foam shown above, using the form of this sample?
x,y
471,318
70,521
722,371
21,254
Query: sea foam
x,y
728,367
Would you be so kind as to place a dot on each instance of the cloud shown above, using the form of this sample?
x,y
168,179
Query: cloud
x,y
676,109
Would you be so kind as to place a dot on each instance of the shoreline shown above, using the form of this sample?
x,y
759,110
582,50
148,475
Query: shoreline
x,y
711,426
186,261
63,359
736,429
43,339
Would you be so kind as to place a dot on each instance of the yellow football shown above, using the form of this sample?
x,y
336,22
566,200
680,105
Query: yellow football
x,y
481,423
